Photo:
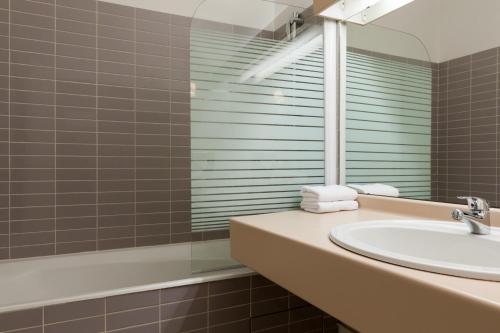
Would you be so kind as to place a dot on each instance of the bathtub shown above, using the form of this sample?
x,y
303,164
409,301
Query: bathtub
x,y
31,283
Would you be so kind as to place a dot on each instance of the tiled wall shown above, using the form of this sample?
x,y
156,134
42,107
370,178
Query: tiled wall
x,y
242,305
95,126
465,126
94,138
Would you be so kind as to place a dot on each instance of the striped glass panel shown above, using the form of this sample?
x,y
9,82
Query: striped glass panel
x,y
254,143
388,122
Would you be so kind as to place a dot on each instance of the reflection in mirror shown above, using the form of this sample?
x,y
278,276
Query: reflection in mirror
x,y
389,104
388,110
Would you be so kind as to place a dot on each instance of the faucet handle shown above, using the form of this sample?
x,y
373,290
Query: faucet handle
x,y
476,203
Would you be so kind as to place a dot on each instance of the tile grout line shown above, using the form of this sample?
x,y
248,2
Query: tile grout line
x,y
55,127
105,300
251,278
437,146
135,127
159,309
208,301
9,143
496,141
447,130
97,212
470,125
171,199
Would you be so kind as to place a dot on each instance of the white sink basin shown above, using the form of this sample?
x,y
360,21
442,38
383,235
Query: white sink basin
x,y
439,247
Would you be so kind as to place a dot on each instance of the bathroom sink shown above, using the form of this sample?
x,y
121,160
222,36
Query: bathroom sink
x,y
434,246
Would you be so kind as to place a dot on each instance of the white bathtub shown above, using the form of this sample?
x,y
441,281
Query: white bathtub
x,y
59,279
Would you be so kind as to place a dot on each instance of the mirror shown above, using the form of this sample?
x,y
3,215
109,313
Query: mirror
x,y
422,114
388,110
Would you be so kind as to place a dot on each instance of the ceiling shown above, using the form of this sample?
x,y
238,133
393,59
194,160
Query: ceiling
x,y
294,3
260,14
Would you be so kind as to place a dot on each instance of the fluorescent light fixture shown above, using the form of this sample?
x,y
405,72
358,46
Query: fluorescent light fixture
x,y
357,11
286,54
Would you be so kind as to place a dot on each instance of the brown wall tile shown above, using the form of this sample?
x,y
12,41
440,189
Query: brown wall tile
x,y
186,324
173,295
465,89
99,126
183,309
87,325
132,301
89,127
21,319
132,318
72,311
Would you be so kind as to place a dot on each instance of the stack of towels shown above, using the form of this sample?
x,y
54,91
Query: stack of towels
x,y
328,199
376,189
334,198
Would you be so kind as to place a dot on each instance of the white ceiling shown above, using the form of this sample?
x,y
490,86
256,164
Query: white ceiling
x,y
251,13
449,29
294,3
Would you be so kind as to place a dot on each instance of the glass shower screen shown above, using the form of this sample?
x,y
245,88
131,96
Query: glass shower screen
x,y
257,122
389,110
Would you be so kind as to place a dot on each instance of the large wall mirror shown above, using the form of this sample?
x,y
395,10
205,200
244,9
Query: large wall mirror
x,y
422,101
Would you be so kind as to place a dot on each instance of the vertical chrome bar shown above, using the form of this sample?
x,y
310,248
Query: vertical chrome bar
x,y
331,101
342,93
335,50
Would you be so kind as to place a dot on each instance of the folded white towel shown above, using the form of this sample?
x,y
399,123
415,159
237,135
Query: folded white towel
x,y
329,193
376,189
329,207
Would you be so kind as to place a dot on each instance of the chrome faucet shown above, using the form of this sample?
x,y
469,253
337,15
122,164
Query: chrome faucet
x,y
478,216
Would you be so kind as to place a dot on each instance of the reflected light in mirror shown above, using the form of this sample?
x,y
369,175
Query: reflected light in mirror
x,y
289,52
357,11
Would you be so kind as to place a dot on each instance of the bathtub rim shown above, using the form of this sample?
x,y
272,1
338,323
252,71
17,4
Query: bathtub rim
x,y
199,279
94,252
194,278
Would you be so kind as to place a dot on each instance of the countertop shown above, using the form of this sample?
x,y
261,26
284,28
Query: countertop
x,y
292,249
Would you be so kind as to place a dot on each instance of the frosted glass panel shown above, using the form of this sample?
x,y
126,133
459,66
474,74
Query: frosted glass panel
x,y
257,123
388,117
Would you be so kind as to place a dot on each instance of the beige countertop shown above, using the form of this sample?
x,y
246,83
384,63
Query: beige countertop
x,y
293,249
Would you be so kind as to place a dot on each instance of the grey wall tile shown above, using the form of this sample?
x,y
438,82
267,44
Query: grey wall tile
x,y
132,301
279,319
87,325
114,9
184,308
33,20
79,4
187,311
99,127
72,311
242,326
465,89
184,324
21,319
234,314
223,287
178,294
74,14
229,300
132,318
32,251
148,328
